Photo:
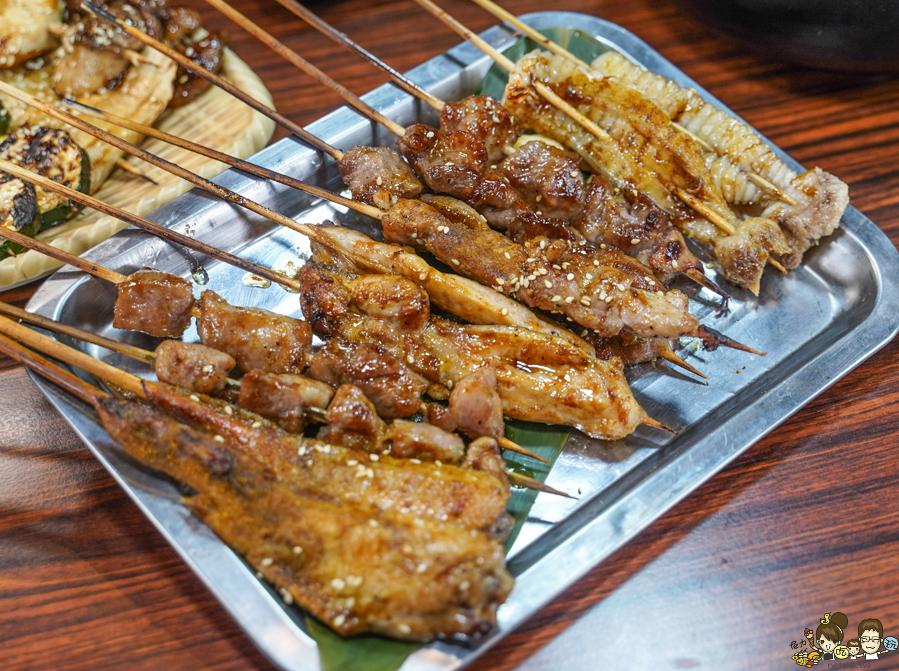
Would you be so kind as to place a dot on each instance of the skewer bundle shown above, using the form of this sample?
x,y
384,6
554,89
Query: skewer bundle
x,y
345,302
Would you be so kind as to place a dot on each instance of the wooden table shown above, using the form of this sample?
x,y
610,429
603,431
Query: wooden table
x,y
806,522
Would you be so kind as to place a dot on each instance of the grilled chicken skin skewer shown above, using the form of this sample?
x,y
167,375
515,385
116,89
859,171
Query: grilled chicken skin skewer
x,y
355,565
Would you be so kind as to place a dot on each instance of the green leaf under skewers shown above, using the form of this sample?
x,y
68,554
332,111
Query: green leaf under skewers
x,y
375,653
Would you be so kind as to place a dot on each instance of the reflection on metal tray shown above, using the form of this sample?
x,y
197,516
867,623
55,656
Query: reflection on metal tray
x,y
816,324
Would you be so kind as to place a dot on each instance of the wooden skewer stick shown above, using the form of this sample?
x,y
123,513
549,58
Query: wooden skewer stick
x,y
706,211
512,446
72,356
295,59
189,65
149,226
330,31
532,483
130,169
668,355
72,384
205,184
214,154
75,332
778,265
557,101
64,257
559,50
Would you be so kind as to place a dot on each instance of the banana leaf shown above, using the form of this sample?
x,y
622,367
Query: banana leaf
x,y
375,653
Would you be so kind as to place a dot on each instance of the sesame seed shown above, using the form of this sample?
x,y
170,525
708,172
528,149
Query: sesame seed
x,y
540,214
379,181
635,241
569,299
430,133
449,383
369,473
556,298
228,410
542,243
415,461
507,255
373,524
539,198
595,262
549,285
543,271
297,550
268,561
208,368
585,301
302,451
309,463
259,575
404,628
438,462
256,424
338,584
339,620
406,549
532,277
570,276
602,245
419,522
500,281
218,439
352,462
455,262
530,259
422,277
354,580
557,266
651,282
349,603
195,398
504,311
589,276
360,474
373,457
410,359
575,173
414,236
620,287
421,568
566,264
287,596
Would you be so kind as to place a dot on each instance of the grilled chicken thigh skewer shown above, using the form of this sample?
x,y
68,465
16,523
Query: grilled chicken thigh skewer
x,y
356,552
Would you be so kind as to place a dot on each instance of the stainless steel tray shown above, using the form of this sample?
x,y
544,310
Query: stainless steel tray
x,y
816,325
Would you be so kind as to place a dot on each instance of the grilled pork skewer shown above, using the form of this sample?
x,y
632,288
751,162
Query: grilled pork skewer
x,y
354,560
559,50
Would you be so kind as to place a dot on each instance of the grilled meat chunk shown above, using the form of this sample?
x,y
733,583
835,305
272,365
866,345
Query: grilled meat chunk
x,y
283,398
549,179
398,300
377,174
449,163
354,568
417,440
257,339
193,366
540,378
353,422
392,387
485,119
312,467
154,302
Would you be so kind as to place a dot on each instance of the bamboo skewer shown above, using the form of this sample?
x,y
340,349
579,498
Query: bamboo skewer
x,y
559,50
295,59
131,170
326,29
189,65
558,102
149,226
127,381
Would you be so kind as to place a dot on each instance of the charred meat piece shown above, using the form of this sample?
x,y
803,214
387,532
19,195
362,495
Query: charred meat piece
x,y
375,175
352,421
549,179
255,338
602,298
154,302
417,440
449,163
192,366
485,119
629,348
394,299
540,377
207,53
283,398
476,406
408,577
393,388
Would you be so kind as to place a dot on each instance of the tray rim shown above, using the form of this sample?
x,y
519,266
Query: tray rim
x,y
873,332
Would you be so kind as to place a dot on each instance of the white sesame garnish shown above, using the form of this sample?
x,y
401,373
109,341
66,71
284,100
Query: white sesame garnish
x,y
228,410
651,282
549,285
575,173
302,451
635,241
404,628
530,259
449,383
421,568
406,549
543,244
504,311
339,620
415,461
286,596
585,301
620,287
566,264
256,424
507,255
422,277
208,368
602,245
414,236
297,550
373,524
430,133
589,276
540,214
379,181
355,580
218,439
455,262
410,359
349,603
539,198
195,398
569,299
570,276
352,462
338,584
419,522
373,457
556,298
268,561
500,281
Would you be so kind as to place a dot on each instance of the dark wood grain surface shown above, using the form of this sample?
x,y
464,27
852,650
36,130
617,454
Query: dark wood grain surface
x,y
806,522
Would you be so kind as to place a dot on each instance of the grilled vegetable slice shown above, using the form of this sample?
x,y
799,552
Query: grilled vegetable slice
x,y
4,120
18,210
25,29
52,153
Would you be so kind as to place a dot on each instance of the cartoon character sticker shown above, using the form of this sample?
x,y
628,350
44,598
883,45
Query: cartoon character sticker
x,y
826,641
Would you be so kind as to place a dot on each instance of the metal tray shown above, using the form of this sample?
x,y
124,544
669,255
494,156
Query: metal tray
x,y
816,325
